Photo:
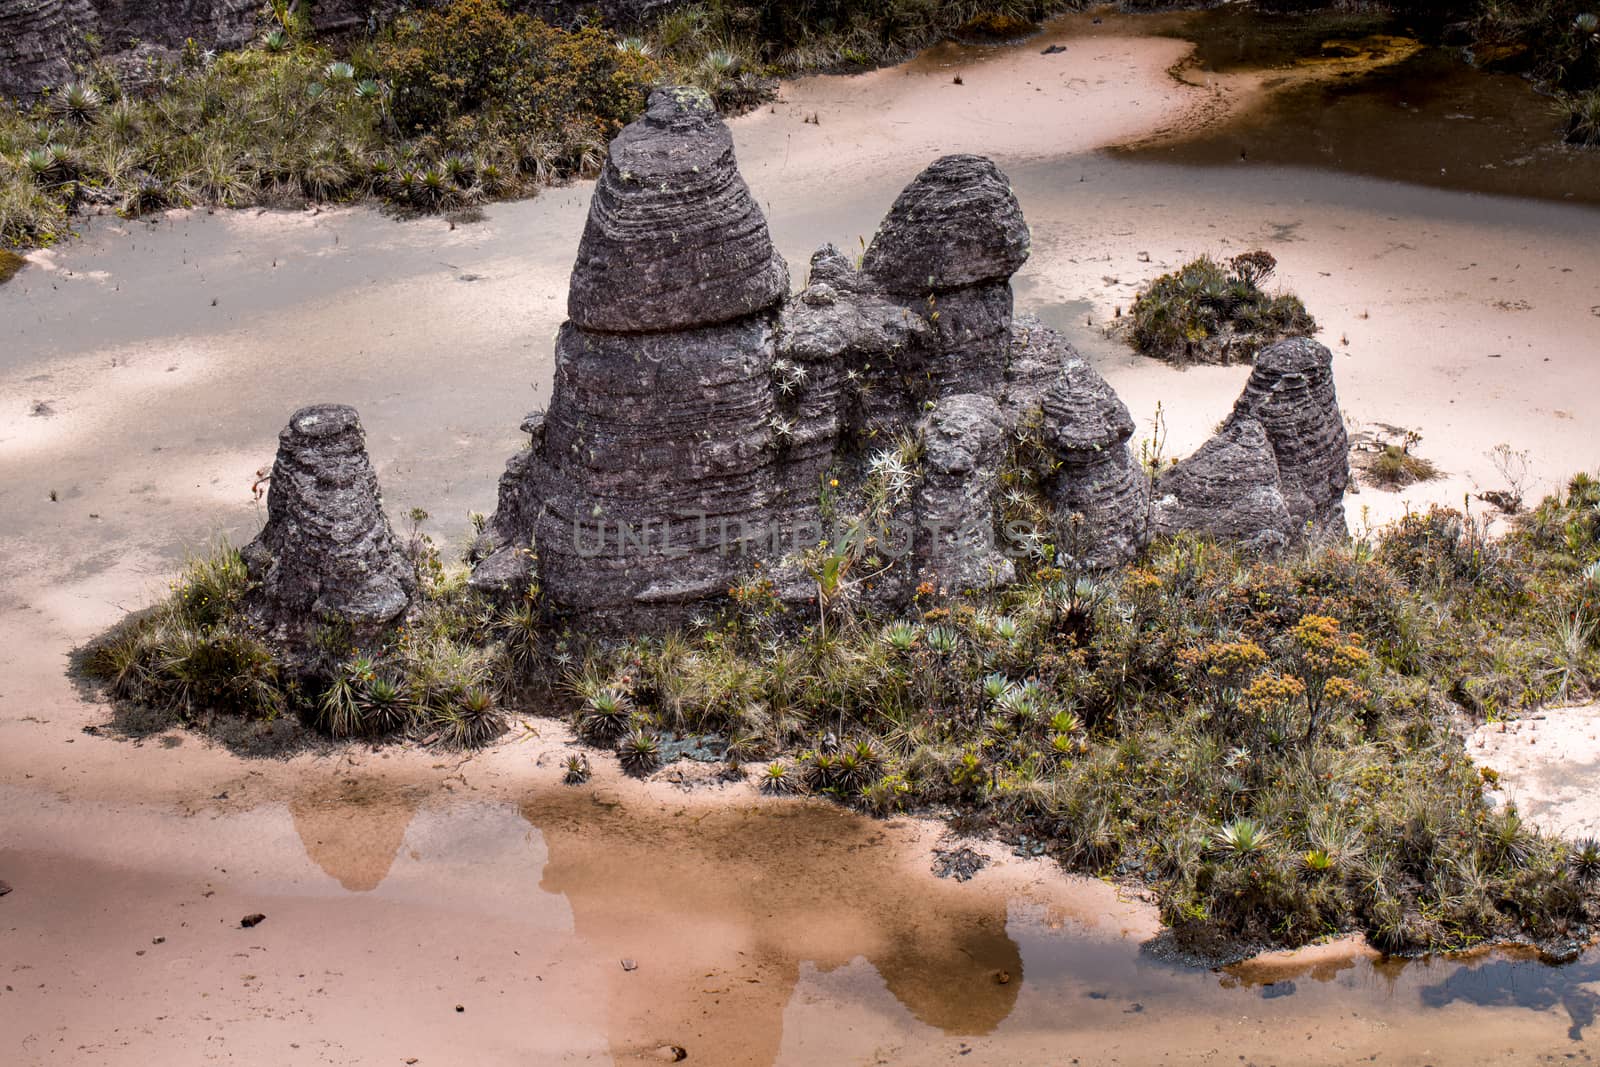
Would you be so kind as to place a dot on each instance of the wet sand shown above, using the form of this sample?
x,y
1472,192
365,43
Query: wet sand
x,y
166,356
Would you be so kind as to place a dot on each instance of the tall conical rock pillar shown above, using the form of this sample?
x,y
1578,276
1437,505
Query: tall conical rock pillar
x,y
651,477
327,553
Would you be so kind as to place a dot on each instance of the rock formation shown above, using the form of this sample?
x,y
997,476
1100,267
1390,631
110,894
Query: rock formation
x,y
326,553
704,422
945,253
1101,494
1230,489
1290,393
964,443
653,472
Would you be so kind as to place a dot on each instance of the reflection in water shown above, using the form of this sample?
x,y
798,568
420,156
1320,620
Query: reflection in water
x,y
1524,984
718,928
719,909
352,828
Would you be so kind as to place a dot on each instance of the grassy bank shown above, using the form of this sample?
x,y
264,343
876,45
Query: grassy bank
x,y
1273,746
441,110
469,102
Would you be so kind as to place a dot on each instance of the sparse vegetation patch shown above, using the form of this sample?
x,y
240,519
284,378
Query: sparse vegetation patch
x,y
1211,312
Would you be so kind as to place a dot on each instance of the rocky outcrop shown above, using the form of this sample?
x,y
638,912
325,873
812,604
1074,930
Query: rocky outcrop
x,y
326,553
1290,393
956,225
704,423
945,253
964,444
1101,494
40,40
652,477
674,240
1229,489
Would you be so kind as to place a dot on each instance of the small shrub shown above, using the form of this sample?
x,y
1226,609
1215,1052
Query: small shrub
x,y
1207,312
1395,468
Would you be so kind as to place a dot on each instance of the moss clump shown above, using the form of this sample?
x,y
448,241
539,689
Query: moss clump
x,y
10,263
1208,312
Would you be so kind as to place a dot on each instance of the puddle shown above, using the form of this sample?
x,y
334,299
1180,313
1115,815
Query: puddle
x,y
614,921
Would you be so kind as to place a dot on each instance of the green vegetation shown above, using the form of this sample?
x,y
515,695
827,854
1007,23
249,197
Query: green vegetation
x,y
802,36
1270,745
1557,43
1208,312
445,109
198,659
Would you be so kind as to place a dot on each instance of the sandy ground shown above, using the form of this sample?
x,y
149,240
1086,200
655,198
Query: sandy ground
x,y
1549,766
145,374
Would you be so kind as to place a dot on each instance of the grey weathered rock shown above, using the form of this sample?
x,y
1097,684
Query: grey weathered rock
x,y
1101,494
674,238
1290,393
946,252
657,459
698,419
1229,489
964,444
652,479
326,553
957,224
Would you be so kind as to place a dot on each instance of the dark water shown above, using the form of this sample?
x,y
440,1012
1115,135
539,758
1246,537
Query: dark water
x,y
1430,118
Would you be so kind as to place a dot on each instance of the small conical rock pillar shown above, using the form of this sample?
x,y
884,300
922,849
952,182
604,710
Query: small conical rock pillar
x,y
327,552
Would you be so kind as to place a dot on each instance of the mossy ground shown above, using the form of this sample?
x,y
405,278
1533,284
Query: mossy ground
x,y
1272,745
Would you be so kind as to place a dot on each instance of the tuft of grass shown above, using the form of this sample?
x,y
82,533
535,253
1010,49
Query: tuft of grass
x,y
1396,467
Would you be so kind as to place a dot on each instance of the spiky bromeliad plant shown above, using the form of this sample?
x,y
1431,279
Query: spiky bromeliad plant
x,y
639,753
605,716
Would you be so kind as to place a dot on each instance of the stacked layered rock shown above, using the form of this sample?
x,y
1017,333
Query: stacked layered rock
x,y
701,415
1290,393
946,253
327,552
964,446
1101,494
1230,489
657,456
1276,472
